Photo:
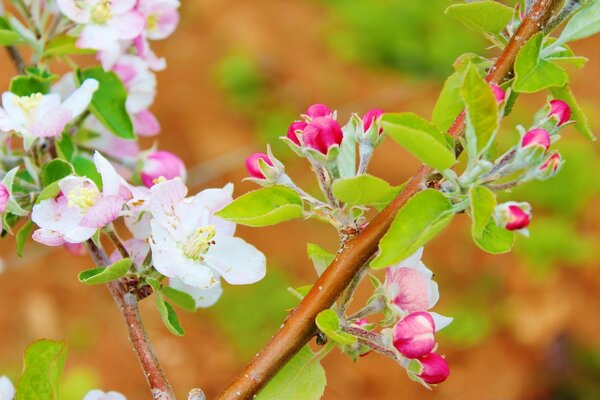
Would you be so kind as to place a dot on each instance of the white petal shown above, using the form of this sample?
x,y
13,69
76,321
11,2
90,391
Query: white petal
x,y
71,9
237,261
112,182
13,112
413,260
434,293
164,199
7,390
440,321
203,297
194,273
100,395
49,238
81,98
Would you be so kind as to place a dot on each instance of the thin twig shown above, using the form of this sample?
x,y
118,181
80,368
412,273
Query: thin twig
x,y
299,327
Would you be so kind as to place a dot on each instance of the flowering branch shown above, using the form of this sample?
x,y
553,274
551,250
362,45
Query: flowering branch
x,y
300,326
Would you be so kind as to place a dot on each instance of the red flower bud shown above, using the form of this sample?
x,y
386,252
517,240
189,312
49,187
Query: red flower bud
x,y
517,218
499,94
4,197
560,110
253,166
370,117
319,110
293,129
435,369
322,133
413,336
536,137
552,162
161,164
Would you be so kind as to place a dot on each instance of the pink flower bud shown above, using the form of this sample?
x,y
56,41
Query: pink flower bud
x,y
362,322
370,117
517,218
408,289
161,164
498,93
319,110
435,368
536,137
4,197
414,335
560,110
552,162
322,134
293,129
253,166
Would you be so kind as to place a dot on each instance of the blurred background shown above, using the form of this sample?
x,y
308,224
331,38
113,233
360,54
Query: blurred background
x,y
526,324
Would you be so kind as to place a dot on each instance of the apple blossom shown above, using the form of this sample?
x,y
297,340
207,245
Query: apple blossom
x,y
100,395
536,137
560,110
253,165
435,368
319,110
499,94
513,216
295,128
161,17
191,243
4,197
413,336
105,23
370,117
39,115
161,164
322,133
80,208
7,390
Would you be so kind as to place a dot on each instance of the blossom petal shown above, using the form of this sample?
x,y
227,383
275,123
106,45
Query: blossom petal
x,y
236,261
51,123
146,124
128,25
440,321
105,211
49,238
7,390
165,197
203,297
71,9
79,100
112,183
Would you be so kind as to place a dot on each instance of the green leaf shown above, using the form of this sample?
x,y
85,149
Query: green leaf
x,y
421,218
481,108
108,102
9,37
487,17
263,207
363,190
98,275
584,23
42,367
169,316
449,104
328,322
55,170
581,122
302,378
483,202
532,72
65,147
49,192
494,239
320,257
85,167
182,299
22,235
423,139
26,85
64,45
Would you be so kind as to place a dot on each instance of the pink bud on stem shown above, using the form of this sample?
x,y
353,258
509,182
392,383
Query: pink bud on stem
x,y
293,129
413,336
536,137
319,110
370,117
435,368
253,166
161,164
322,133
560,110
499,94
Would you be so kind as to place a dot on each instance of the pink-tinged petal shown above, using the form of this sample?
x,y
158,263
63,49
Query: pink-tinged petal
x,y
128,25
294,128
322,133
435,369
56,215
536,137
414,336
112,183
552,162
51,123
162,18
161,164
122,6
560,110
139,225
319,110
48,237
81,98
370,117
499,94
105,211
164,200
236,261
440,321
253,166
203,297
146,124
75,249
412,290
72,10
4,197
98,37
518,218
137,250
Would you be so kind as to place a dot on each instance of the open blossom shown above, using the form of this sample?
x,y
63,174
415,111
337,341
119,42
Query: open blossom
x,y
7,390
191,243
435,369
413,336
80,208
42,115
100,395
105,24
253,165
161,164
561,111
161,17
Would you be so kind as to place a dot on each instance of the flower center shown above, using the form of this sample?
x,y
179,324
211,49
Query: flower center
x,y
28,103
83,197
197,243
151,22
102,12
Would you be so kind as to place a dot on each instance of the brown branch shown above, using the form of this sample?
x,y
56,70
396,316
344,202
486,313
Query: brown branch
x,y
128,306
299,327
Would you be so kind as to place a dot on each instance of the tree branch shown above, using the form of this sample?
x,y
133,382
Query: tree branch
x,y
300,327
128,306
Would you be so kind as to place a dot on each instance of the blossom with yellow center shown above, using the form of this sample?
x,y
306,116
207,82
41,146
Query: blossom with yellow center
x,y
28,103
83,197
102,12
198,242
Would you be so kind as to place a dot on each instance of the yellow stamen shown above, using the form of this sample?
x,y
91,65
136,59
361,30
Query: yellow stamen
x,y
102,12
197,243
82,197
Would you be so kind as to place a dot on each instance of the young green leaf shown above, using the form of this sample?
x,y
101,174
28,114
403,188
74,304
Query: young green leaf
x,y
55,170
494,239
22,235
26,85
302,378
363,190
98,275
65,147
320,257
481,108
169,316
449,103
487,17
420,137
85,167
63,46
108,102
346,159
182,299
49,192
9,37
328,322
421,218
483,202
42,367
586,22
534,73
263,207
581,122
